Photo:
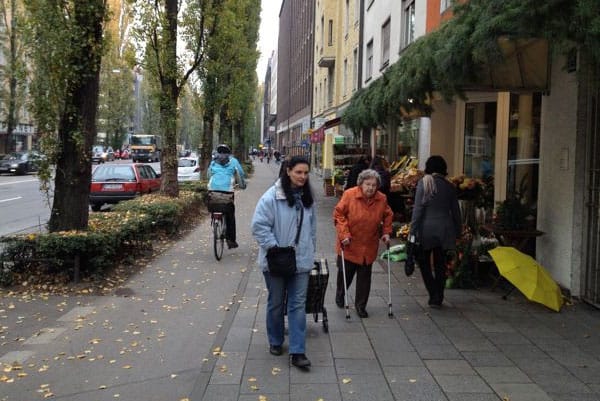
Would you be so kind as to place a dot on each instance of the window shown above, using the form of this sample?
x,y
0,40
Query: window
x,y
355,70
330,87
408,138
347,18
330,33
322,33
345,82
319,103
408,18
385,43
444,5
369,66
480,138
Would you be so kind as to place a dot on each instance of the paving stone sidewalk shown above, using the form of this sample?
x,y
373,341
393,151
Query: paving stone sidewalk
x,y
478,347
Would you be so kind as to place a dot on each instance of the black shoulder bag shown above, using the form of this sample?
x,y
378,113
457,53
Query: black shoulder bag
x,y
282,260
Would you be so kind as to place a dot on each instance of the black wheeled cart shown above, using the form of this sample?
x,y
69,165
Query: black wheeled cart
x,y
315,296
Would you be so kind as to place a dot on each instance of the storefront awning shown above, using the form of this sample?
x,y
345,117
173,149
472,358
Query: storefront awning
x,y
319,134
525,67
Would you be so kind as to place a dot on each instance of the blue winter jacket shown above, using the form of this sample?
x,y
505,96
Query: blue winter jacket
x,y
222,176
275,223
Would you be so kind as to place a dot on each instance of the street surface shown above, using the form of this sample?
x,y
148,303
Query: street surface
x,y
190,328
23,207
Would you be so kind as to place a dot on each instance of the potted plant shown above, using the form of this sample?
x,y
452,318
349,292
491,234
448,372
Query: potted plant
x,y
512,214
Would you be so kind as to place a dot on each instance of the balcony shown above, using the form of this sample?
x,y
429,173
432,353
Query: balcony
x,y
327,57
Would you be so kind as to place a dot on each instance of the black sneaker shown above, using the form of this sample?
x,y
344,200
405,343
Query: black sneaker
x,y
276,350
300,361
362,312
339,301
232,244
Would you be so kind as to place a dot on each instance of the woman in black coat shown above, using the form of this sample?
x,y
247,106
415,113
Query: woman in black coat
x,y
436,223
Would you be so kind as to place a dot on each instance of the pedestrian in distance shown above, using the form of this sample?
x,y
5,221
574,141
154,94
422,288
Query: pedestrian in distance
x,y
275,223
362,164
380,165
362,217
436,225
221,172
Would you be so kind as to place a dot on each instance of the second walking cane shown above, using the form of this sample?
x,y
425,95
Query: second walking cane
x,y
389,271
345,285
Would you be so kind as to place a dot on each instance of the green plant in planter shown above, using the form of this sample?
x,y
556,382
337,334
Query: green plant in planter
x,y
511,214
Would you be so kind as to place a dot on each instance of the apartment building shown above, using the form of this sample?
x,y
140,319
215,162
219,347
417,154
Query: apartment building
x,y
294,76
336,72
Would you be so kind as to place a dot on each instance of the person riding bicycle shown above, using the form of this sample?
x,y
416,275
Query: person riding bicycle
x,y
221,171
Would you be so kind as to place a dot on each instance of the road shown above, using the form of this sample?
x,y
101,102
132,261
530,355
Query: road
x,y
23,207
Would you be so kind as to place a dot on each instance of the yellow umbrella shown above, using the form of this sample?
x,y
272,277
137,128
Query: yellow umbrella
x,y
528,276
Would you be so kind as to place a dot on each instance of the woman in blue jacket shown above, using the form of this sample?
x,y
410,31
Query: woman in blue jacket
x,y
275,223
221,172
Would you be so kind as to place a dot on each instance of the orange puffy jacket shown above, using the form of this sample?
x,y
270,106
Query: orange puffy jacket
x,y
359,218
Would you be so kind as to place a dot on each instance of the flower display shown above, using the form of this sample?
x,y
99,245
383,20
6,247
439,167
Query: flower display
x,y
479,190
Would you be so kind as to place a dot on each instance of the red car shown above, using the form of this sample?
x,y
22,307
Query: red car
x,y
112,183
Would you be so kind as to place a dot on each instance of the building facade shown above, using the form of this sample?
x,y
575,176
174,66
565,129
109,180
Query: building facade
x,y
336,71
536,139
294,76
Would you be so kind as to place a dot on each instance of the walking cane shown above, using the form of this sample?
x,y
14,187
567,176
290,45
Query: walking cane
x,y
390,313
345,286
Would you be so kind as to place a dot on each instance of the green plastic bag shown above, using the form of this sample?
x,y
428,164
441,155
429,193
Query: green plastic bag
x,y
397,253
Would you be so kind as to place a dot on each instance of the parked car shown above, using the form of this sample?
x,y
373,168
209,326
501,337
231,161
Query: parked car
x,y
112,183
124,154
101,154
188,169
20,163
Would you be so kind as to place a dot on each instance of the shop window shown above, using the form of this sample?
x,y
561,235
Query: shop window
x,y
408,138
480,139
524,148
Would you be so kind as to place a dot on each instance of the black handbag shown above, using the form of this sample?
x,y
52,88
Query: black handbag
x,y
412,250
282,259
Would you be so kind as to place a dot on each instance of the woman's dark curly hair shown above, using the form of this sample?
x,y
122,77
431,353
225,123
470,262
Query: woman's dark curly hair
x,y
286,183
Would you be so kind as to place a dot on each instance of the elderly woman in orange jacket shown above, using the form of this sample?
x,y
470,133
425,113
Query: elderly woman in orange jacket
x,y
362,217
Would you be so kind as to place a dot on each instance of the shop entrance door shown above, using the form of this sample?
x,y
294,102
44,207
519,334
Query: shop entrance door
x,y
591,291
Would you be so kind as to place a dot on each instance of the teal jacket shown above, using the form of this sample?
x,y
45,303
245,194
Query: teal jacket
x,y
222,176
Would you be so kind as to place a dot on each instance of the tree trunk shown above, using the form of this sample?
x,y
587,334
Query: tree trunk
x,y
77,127
168,103
12,80
225,135
207,141
240,150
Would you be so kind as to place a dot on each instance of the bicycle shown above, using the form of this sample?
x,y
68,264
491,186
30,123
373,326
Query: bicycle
x,y
219,203
217,221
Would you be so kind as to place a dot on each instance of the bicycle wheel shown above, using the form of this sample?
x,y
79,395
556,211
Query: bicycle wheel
x,y
219,236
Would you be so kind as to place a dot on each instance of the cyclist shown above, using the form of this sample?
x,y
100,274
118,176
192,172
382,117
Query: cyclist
x,y
222,170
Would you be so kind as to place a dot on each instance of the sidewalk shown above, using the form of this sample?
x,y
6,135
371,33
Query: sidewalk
x,y
190,328
478,347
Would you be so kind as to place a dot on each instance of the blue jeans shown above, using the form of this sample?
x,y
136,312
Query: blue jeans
x,y
296,287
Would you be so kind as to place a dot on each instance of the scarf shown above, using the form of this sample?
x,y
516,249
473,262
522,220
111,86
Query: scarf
x,y
297,194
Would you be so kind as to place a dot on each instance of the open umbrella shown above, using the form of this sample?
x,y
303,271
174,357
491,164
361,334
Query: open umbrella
x,y
528,276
